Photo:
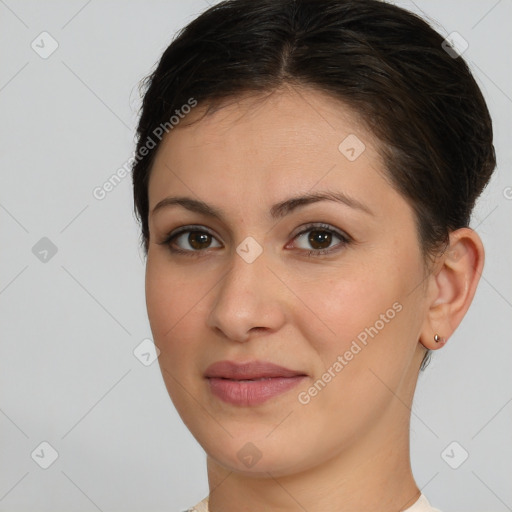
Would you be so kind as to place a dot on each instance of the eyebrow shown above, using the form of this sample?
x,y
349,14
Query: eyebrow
x,y
277,211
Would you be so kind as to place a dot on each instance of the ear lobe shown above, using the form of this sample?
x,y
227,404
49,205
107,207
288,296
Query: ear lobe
x,y
452,287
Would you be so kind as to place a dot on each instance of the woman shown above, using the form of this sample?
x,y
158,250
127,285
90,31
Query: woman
x,y
304,177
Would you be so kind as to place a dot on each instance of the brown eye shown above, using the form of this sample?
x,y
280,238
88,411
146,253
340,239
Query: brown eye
x,y
317,240
191,241
320,239
199,239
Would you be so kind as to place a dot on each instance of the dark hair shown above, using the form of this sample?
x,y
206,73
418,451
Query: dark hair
x,y
389,65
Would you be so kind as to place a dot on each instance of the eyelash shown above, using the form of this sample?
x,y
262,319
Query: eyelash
x,y
345,239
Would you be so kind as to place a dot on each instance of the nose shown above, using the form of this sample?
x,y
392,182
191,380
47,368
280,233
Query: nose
x,y
249,301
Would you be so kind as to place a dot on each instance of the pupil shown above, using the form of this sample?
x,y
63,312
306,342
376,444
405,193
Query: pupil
x,y
199,240
321,238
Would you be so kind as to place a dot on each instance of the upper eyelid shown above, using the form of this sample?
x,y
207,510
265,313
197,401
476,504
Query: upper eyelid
x,y
187,229
191,227
320,225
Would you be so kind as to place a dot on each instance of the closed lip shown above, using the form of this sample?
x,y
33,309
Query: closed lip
x,y
249,371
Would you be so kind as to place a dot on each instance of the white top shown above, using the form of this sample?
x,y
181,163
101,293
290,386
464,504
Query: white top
x,y
421,505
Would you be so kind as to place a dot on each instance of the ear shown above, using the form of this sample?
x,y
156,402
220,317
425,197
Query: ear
x,y
452,286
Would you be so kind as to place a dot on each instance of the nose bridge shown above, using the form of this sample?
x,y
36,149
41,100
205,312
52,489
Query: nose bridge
x,y
246,297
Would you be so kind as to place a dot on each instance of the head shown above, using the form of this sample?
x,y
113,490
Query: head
x,y
304,178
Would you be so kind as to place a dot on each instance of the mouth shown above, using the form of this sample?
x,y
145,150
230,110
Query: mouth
x,y
252,383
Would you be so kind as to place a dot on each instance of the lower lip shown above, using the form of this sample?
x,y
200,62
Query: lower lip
x,y
247,393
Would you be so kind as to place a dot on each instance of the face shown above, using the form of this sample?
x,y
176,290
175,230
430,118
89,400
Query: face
x,y
276,239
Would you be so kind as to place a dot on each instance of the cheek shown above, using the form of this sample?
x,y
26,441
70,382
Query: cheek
x,y
363,339
342,307
366,312
170,294
161,299
171,303
172,312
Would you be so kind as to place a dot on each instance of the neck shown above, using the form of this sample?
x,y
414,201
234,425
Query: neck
x,y
373,473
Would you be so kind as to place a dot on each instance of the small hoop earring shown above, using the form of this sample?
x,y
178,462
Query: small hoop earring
x,y
438,339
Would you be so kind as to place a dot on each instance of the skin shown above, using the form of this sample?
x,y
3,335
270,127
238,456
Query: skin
x,y
300,312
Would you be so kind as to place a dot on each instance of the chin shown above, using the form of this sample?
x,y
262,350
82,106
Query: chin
x,y
259,457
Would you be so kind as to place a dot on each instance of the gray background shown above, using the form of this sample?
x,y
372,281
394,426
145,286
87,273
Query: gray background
x,y
71,321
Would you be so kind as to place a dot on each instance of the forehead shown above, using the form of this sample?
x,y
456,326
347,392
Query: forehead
x,y
263,147
292,114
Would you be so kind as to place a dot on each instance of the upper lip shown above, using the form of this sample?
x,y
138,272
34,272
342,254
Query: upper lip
x,y
249,370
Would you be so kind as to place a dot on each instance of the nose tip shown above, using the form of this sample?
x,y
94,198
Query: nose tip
x,y
247,301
